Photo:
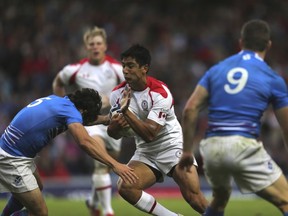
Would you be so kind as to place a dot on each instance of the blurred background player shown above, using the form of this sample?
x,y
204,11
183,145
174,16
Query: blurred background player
x,y
158,136
237,91
31,130
101,72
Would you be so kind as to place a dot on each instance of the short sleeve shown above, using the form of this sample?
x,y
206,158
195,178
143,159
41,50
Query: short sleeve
x,y
67,72
161,107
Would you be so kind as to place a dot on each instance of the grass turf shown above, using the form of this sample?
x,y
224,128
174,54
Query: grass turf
x,y
236,207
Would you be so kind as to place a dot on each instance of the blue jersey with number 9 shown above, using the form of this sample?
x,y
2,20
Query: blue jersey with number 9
x,y
37,124
240,89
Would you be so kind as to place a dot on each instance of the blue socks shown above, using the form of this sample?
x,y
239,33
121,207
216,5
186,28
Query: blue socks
x,y
13,205
285,214
212,212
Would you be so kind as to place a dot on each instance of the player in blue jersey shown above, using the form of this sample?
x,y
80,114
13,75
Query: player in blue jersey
x,y
31,130
236,92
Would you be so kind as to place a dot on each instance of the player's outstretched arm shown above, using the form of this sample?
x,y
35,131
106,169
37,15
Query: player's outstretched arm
x,y
196,102
96,151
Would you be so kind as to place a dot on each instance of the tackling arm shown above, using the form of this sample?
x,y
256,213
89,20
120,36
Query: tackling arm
x,y
98,152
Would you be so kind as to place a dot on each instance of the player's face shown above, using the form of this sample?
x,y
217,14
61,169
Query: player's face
x,y
96,48
135,75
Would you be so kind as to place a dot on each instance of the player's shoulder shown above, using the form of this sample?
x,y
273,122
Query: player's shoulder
x,y
80,62
56,100
75,65
120,86
112,60
157,86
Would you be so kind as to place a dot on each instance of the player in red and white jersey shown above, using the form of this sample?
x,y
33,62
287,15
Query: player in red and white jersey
x,y
155,103
101,72
157,132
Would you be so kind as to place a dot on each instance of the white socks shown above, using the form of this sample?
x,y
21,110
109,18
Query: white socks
x,y
102,186
147,203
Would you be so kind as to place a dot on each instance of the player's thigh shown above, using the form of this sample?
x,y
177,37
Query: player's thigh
x,y
147,176
33,201
277,193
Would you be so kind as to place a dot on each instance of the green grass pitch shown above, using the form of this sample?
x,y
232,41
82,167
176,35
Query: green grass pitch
x,y
236,207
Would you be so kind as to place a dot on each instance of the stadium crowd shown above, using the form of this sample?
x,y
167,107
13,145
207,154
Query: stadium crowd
x,y
185,38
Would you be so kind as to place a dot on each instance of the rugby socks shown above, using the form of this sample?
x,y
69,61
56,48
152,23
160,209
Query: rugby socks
x,y
13,205
103,190
212,212
285,214
148,204
23,212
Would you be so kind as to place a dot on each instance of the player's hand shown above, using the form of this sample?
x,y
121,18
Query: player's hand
x,y
125,100
186,162
118,121
126,173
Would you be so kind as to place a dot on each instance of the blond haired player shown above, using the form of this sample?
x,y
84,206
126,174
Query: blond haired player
x,y
103,73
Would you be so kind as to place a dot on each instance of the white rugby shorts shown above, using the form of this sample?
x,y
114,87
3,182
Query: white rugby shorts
x,y
101,130
162,161
243,159
16,173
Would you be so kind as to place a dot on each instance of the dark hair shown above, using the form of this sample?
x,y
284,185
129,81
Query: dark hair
x,y
139,53
89,102
255,35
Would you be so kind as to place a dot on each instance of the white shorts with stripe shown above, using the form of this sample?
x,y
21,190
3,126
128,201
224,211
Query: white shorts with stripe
x,y
242,158
162,161
16,173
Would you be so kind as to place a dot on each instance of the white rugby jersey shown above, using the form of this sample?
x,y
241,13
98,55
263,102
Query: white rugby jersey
x,y
156,103
103,77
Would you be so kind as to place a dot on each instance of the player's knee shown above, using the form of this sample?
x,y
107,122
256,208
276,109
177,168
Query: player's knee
x,y
280,201
123,188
